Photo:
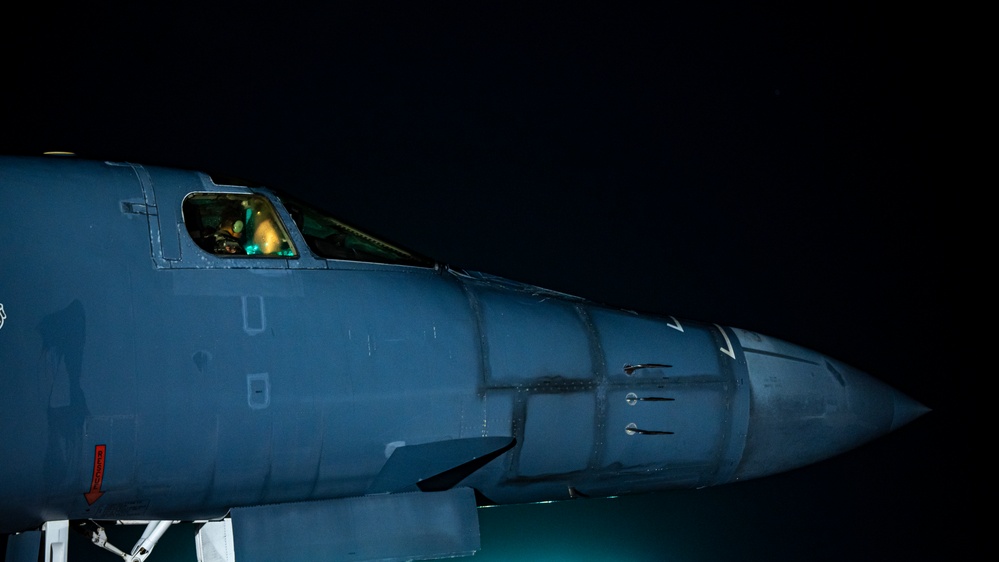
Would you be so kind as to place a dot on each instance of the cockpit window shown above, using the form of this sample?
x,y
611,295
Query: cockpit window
x,y
228,224
332,239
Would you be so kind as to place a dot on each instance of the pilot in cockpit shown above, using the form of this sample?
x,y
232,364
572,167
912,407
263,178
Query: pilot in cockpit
x,y
228,237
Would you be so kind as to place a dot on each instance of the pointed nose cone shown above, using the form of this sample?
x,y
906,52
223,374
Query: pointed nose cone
x,y
805,407
864,406
906,410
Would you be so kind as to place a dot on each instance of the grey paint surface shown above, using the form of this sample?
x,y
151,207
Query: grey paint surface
x,y
211,383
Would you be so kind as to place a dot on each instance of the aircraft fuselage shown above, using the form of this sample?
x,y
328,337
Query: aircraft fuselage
x,y
147,377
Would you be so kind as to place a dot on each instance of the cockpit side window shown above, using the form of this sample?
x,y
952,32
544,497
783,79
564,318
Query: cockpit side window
x,y
229,224
330,238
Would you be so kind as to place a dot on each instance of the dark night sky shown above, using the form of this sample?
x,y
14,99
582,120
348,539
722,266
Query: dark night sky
x,y
766,167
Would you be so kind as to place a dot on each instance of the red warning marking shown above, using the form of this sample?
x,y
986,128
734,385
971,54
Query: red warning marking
x,y
95,492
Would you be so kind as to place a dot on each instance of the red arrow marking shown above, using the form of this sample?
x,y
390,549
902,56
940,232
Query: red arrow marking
x,y
95,492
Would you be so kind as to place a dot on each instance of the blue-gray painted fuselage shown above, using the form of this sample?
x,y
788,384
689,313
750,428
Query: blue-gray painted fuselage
x,y
148,377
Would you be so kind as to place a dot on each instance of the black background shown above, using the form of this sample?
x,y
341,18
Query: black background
x,y
769,167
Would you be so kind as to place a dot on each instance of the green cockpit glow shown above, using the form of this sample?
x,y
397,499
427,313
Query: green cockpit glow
x,y
234,224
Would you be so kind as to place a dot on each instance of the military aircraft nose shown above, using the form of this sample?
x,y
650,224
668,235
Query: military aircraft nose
x,y
806,407
869,408
906,410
